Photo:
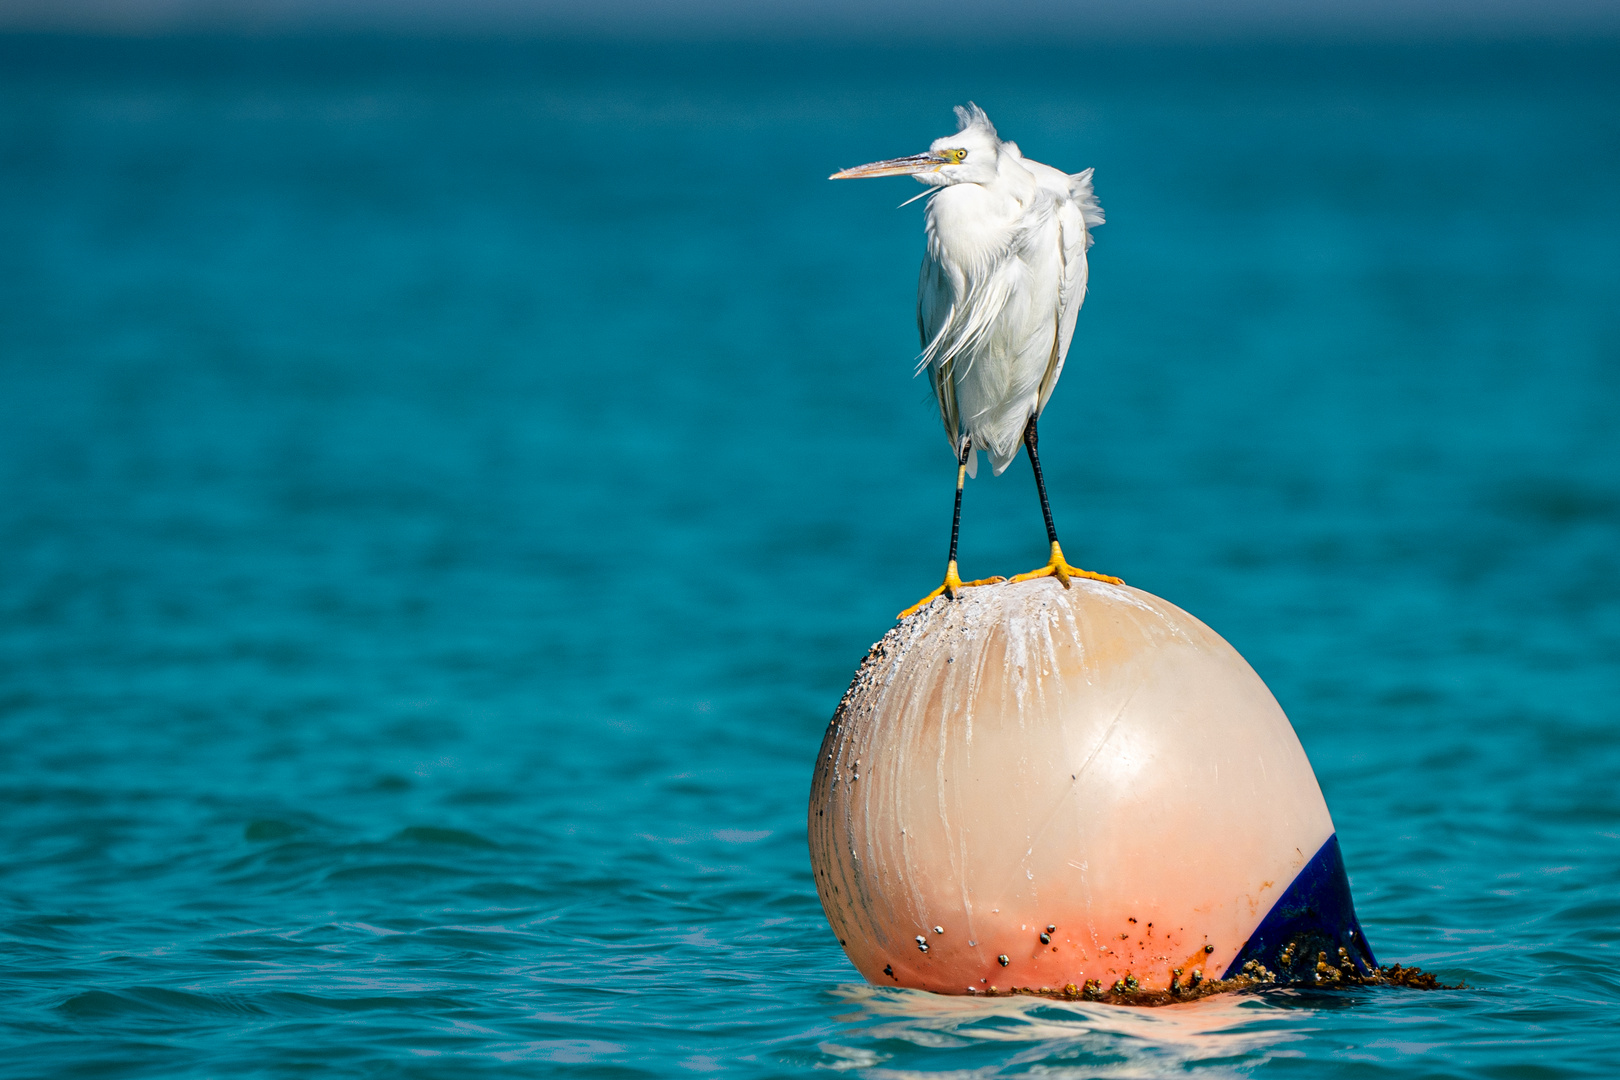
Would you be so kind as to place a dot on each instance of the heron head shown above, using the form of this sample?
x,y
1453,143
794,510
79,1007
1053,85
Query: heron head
x,y
968,157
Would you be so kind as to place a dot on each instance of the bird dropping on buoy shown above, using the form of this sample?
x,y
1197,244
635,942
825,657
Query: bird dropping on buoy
x,y
1082,784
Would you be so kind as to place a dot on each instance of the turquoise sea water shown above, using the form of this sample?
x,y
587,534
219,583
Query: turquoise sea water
x,y
445,489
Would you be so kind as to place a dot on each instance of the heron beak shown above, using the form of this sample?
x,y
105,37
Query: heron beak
x,y
900,166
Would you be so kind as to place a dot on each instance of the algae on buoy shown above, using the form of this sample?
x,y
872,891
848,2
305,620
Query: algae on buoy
x,y
1039,787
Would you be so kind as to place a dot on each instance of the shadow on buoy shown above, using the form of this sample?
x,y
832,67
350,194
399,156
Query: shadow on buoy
x,y
1084,792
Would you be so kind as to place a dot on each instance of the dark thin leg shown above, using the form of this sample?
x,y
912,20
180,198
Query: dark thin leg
x,y
1057,566
956,515
1030,439
953,580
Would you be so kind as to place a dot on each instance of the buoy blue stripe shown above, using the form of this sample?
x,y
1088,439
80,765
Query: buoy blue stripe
x,y
1314,914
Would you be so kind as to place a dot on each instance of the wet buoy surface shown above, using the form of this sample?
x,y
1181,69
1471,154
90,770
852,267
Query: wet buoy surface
x,y
1034,786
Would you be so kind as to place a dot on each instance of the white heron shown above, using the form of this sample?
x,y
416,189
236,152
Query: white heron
x,y
1002,281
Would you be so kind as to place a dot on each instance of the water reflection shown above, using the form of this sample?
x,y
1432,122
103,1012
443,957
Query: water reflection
x,y
899,1028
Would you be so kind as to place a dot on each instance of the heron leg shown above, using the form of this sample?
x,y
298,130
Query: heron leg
x,y
1057,566
953,580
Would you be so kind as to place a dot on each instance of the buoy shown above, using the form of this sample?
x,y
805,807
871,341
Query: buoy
x,y
1072,787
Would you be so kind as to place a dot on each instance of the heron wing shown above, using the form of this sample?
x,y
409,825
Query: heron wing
x,y
937,292
1073,239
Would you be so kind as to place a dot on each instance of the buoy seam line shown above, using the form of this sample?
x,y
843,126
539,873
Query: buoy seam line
x,y
1112,724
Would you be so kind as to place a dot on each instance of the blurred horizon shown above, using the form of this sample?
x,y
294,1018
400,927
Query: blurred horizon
x,y
852,21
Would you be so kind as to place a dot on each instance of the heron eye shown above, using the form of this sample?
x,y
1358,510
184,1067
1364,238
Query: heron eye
x,y
958,155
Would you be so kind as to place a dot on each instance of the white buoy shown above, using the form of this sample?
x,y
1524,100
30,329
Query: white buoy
x,y
1033,786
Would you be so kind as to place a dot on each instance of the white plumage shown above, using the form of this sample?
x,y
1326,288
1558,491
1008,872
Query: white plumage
x,y
1001,283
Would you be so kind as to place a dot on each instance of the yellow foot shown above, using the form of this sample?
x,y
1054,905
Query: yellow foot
x,y
949,589
1059,568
